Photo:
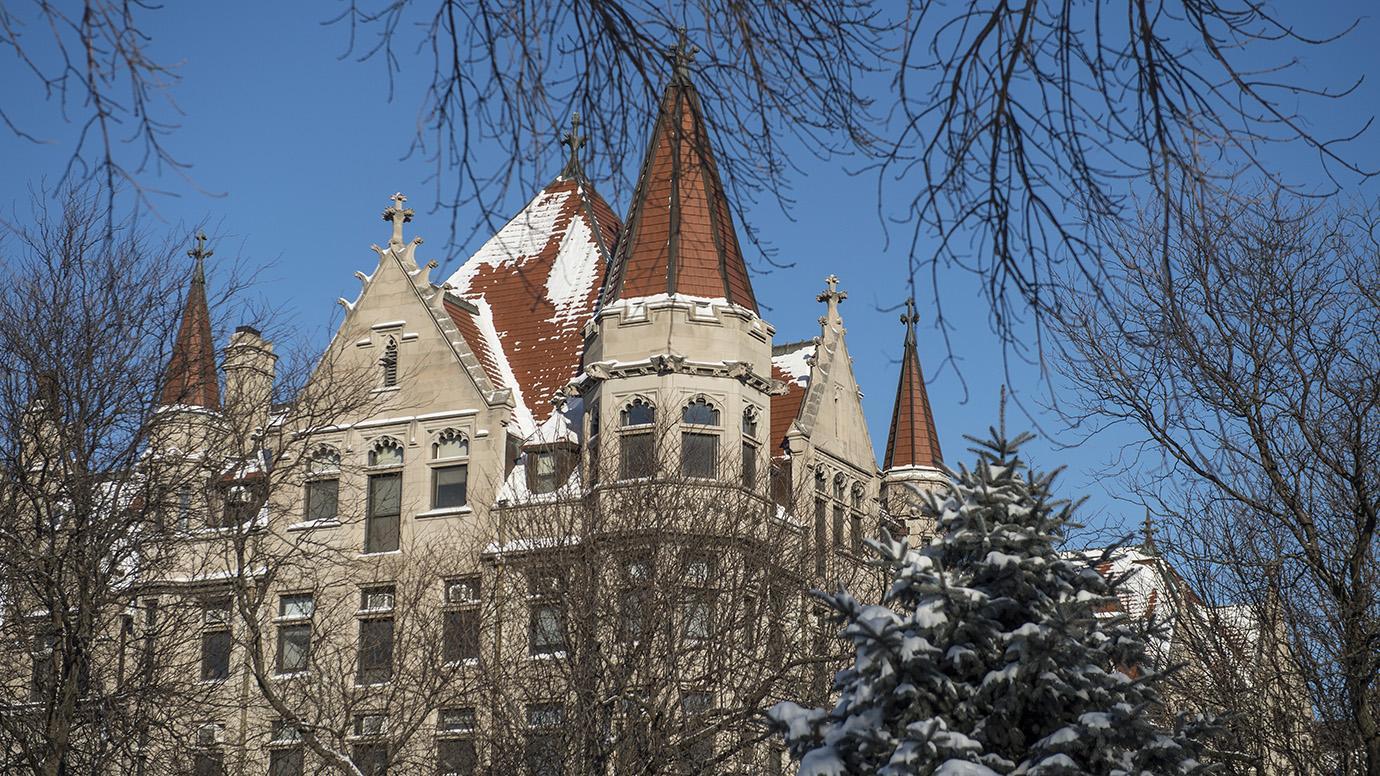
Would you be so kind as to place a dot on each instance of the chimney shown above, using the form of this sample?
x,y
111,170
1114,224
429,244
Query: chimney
x,y
249,369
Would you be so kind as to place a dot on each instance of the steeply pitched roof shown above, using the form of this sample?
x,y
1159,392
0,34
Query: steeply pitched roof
x,y
536,283
679,237
191,379
913,440
790,365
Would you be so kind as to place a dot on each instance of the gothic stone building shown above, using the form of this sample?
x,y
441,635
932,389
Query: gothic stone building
x,y
566,520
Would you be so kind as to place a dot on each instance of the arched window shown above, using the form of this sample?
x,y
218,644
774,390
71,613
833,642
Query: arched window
x,y
637,442
386,451
750,419
324,460
323,484
638,412
450,443
700,413
839,488
592,445
857,504
699,448
388,364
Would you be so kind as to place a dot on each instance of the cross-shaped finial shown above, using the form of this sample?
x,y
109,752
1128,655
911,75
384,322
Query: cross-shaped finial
x,y
1149,529
399,215
573,140
199,252
832,295
681,55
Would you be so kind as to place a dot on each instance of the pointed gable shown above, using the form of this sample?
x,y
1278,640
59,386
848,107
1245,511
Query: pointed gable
x,y
679,237
191,379
535,284
913,440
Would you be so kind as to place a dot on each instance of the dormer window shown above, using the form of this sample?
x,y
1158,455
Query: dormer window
x,y
637,444
699,447
386,452
388,363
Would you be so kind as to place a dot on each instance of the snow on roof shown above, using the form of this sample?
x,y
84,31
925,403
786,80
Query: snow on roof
x,y
789,364
536,283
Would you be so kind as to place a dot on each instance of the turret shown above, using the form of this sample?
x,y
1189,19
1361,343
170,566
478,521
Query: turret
x,y
189,397
914,466
677,339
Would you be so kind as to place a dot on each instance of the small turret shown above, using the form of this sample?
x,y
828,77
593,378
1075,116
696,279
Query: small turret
x,y
914,466
190,379
249,368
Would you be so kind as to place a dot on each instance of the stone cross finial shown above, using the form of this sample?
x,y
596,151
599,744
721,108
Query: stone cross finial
x,y
573,140
1149,529
199,252
399,215
681,54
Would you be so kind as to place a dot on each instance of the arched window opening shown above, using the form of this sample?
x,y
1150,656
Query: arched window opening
x,y
450,443
700,413
386,451
323,485
638,412
750,419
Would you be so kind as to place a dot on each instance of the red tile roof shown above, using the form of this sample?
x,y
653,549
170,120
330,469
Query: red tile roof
x,y
537,281
191,379
789,366
679,238
913,439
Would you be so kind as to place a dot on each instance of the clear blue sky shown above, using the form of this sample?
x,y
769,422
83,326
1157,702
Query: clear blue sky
x,y
295,151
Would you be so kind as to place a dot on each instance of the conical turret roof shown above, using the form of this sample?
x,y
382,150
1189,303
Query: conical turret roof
x,y
913,440
191,379
679,236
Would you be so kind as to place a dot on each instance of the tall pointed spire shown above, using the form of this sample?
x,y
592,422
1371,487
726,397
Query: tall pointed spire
x,y
679,236
191,379
913,440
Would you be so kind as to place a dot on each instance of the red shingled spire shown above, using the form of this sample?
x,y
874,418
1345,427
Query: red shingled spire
x,y
191,376
679,236
913,440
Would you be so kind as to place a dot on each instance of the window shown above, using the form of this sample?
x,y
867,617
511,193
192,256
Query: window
x,y
376,636
285,762
450,443
460,625
546,612
285,750
448,486
857,504
385,510
698,611
697,751
370,725
543,471
388,364
749,465
639,412
455,749
699,454
323,485
637,449
699,450
839,486
545,742
41,652
637,580
750,419
215,641
593,445
821,531
546,632
184,508
386,452
294,633
208,760
240,504
371,758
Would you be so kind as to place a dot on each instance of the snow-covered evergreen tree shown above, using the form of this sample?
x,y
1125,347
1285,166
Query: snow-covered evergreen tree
x,y
988,656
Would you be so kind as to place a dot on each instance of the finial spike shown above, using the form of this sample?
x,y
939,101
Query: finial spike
x,y
399,215
573,140
199,253
681,54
